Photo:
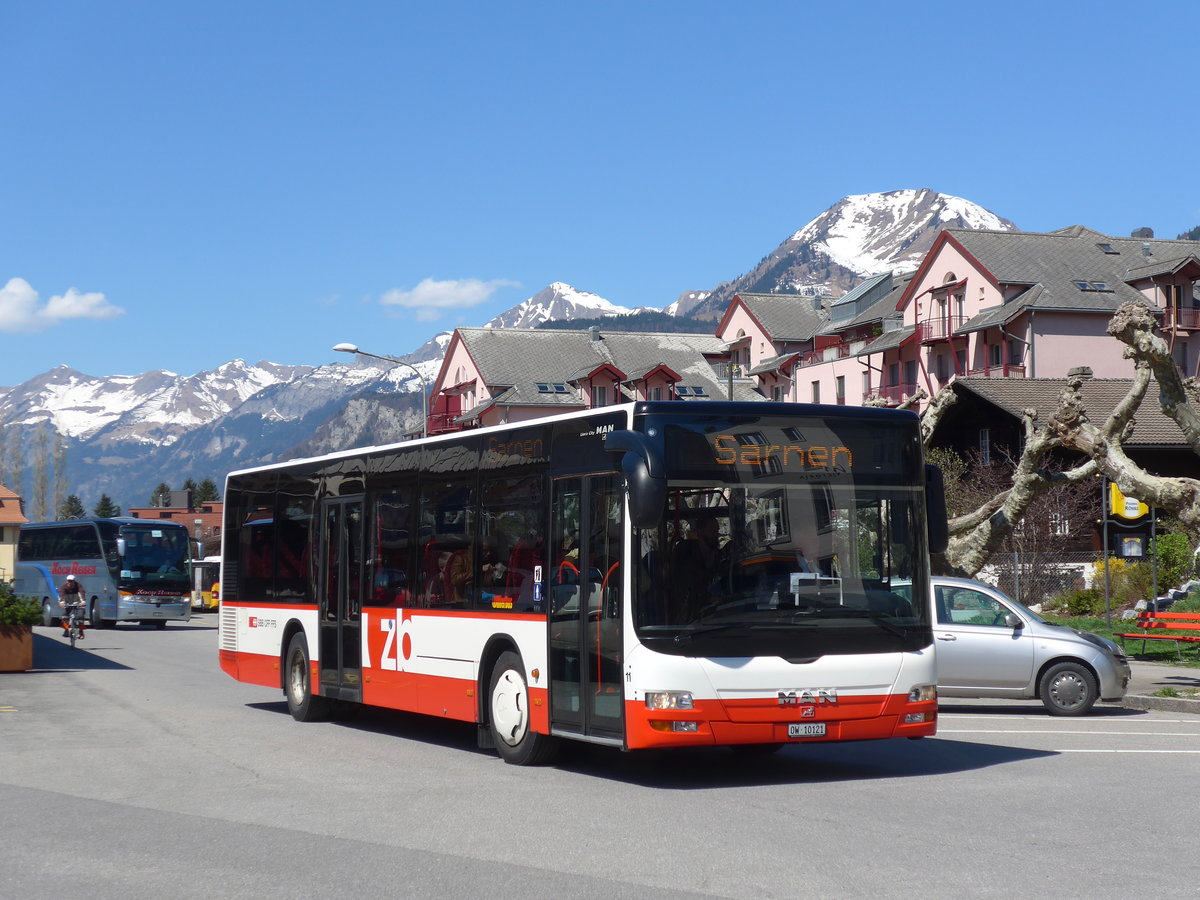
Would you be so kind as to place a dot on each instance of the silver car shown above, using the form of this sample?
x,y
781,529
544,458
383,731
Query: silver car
x,y
989,645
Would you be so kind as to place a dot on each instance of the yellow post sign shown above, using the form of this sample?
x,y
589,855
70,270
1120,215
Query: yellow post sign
x,y
1125,507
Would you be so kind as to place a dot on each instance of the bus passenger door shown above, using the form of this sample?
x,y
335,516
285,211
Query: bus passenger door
x,y
584,580
339,602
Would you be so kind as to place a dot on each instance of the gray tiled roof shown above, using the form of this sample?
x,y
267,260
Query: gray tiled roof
x,y
1100,397
881,309
887,341
512,362
787,317
1056,260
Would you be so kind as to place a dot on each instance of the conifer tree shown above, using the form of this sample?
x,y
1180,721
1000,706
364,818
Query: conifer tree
x,y
106,508
72,508
207,491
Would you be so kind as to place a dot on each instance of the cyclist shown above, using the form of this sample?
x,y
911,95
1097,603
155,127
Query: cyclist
x,y
70,593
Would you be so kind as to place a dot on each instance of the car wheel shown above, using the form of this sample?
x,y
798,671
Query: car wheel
x,y
508,715
302,703
1068,689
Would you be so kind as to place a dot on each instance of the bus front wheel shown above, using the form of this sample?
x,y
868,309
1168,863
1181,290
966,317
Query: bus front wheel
x,y
302,703
48,617
508,715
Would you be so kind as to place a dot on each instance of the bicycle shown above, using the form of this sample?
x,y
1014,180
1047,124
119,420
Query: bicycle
x,y
73,622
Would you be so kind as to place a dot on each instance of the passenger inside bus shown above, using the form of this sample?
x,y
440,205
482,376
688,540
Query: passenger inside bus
x,y
696,568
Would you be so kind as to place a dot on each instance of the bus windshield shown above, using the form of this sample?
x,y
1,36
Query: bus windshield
x,y
777,542
154,557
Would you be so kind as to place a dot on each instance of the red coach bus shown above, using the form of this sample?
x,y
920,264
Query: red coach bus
x,y
650,575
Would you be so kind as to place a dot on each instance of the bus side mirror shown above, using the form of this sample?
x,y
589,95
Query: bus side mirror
x,y
935,510
645,475
121,547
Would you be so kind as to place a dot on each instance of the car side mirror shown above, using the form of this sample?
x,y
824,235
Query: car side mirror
x,y
1012,620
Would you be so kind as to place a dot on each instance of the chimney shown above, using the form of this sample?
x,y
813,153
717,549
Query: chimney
x,y
1083,372
594,331
1146,250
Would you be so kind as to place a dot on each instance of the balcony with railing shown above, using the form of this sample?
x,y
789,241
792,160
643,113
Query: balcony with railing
x,y
826,354
940,329
1186,318
1006,370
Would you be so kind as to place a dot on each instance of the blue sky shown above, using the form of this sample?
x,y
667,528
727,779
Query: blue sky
x,y
183,184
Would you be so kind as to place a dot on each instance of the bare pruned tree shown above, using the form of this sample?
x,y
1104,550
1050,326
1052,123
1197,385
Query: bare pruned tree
x,y
1135,325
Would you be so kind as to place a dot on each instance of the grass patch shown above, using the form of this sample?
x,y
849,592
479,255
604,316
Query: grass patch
x,y
1156,651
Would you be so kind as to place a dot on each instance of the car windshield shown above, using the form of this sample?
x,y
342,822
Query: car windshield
x,y
788,569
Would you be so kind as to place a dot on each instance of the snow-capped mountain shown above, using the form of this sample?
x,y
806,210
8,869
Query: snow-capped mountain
x,y
556,302
859,236
147,408
124,434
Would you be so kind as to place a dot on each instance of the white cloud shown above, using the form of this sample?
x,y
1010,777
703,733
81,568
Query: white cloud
x,y
430,298
21,310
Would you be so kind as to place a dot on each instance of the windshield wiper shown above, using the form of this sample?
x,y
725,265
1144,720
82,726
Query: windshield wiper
x,y
845,612
684,637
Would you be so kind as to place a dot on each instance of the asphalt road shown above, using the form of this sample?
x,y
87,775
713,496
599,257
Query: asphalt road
x,y
134,768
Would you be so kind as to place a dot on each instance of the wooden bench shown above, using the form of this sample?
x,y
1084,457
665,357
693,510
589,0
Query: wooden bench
x,y
1165,626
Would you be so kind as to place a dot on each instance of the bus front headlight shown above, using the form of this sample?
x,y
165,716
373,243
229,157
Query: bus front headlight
x,y
669,700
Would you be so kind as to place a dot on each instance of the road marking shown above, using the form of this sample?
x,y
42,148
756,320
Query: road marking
x,y
1190,734
8,709
1128,751
1133,720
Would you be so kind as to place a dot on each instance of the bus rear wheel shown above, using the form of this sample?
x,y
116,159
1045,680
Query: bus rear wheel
x,y
48,617
508,716
302,703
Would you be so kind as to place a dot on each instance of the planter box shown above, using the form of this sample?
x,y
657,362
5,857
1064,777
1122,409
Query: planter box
x,y
16,648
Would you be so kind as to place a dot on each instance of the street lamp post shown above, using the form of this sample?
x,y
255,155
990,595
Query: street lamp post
x,y
353,348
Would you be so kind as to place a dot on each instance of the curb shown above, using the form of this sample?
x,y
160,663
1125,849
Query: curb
x,y
1165,704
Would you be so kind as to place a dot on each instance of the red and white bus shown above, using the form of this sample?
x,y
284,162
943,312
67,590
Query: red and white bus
x,y
672,574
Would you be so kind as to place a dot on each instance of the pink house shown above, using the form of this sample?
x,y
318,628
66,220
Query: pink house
x,y
493,376
995,304
991,304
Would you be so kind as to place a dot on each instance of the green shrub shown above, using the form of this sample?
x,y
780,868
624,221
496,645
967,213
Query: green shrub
x,y
16,610
1081,602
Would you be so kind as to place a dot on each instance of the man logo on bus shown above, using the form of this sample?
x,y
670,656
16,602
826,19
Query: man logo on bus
x,y
805,697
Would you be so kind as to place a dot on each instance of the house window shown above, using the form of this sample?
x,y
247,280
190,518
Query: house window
x,y
1059,523
942,367
841,390
866,383
599,395
960,361
894,373
995,354
1015,352
656,393
816,392
778,393
910,372
985,445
